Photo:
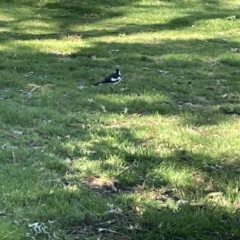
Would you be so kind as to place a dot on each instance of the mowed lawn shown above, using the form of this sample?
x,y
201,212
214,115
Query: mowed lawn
x,y
156,157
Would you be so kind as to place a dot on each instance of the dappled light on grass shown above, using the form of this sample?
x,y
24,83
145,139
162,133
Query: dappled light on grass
x,y
156,156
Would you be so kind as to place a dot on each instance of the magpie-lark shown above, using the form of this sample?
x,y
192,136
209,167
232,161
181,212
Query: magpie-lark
x,y
113,78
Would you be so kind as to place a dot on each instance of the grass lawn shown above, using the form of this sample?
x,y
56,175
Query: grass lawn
x,y
158,157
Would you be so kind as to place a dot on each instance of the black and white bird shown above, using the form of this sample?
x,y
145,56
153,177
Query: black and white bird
x,y
113,78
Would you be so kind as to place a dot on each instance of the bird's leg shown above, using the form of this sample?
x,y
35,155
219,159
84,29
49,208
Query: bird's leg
x,y
112,88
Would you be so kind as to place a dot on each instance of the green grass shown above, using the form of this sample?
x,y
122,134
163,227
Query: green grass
x,y
78,164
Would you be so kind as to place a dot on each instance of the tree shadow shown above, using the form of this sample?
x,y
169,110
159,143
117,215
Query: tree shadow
x,y
146,174
201,93
64,15
176,93
57,18
209,95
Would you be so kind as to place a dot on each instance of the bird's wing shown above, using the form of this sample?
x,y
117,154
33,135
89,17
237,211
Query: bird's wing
x,y
116,79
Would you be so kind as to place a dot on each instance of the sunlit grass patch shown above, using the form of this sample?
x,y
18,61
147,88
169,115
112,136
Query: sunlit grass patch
x,y
155,157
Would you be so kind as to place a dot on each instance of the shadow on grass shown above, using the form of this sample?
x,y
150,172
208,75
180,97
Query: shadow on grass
x,y
184,85
183,82
57,17
163,210
164,184
64,15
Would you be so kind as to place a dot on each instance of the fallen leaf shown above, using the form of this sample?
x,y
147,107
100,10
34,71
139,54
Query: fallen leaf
x,y
107,222
209,167
90,100
210,88
49,85
114,51
171,204
38,228
106,230
198,204
81,87
209,188
112,209
163,72
219,81
214,63
237,204
17,133
8,146
125,110
193,106
202,99
29,74
182,202
89,152
235,50
103,108
68,161
137,210
122,34
231,17
214,194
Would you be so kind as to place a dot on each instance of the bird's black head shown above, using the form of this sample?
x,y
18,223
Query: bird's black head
x,y
117,70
